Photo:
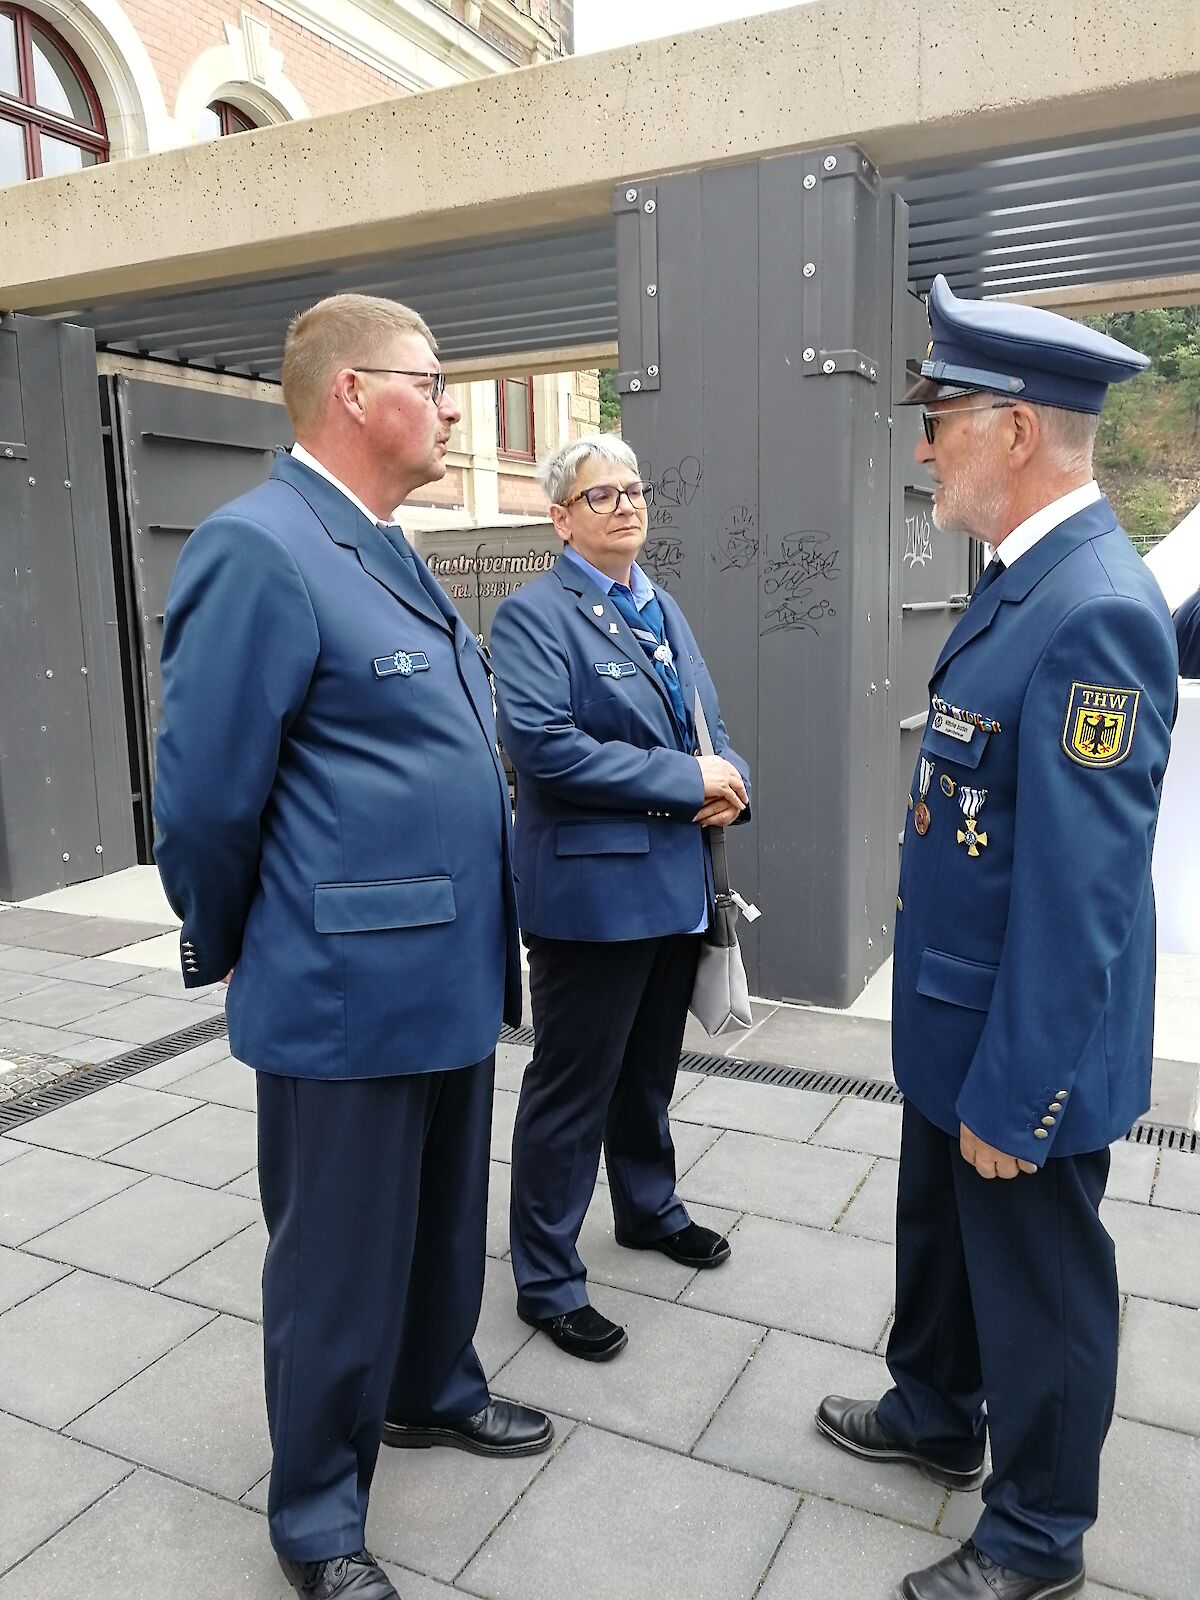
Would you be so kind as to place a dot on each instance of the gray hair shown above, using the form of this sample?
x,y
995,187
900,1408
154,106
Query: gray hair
x,y
1068,436
557,472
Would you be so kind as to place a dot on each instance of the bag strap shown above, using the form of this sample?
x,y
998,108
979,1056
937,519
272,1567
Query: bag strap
x,y
716,836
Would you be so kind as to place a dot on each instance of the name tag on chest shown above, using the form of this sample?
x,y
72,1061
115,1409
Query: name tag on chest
x,y
953,727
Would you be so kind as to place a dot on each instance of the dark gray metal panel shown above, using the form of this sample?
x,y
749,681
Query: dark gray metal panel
x,y
64,787
770,518
183,452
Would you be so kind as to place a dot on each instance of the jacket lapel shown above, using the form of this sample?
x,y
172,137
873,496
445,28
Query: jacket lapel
x,y
1019,580
599,610
347,526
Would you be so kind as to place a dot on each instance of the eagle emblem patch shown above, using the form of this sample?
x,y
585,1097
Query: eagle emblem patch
x,y
1098,731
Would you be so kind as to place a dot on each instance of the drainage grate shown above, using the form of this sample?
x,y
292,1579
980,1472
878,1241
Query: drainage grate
x,y
91,1078
1159,1135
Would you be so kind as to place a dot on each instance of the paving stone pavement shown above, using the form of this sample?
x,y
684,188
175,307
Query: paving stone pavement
x,y
133,1445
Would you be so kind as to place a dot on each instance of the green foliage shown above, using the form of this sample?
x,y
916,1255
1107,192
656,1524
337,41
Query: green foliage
x,y
1147,513
610,401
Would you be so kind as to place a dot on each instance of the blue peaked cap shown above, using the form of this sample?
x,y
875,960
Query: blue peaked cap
x,y
1021,351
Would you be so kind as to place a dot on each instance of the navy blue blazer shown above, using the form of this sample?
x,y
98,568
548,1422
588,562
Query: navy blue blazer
x,y
331,813
1023,997
1187,634
606,848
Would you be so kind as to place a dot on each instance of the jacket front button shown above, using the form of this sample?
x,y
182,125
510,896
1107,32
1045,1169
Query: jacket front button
x,y
1061,1095
899,903
1047,1122
1040,1133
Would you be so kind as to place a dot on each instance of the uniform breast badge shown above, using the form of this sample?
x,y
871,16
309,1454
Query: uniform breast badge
x,y
921,810
971,802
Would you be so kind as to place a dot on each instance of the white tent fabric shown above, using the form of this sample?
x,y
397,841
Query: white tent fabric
x,y
1175,560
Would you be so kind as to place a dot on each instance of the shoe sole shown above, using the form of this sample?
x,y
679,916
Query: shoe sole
x,y
427,1438
960,1482
1060,1591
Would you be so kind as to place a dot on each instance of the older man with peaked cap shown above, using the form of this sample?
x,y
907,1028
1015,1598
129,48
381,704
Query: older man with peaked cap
x,y
1023,995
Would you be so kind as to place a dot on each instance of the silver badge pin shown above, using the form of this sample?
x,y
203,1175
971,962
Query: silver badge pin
x,y
599,610
612,627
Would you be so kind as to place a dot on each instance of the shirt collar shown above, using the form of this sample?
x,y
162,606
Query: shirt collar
x,y
1026,534
639,584
307,459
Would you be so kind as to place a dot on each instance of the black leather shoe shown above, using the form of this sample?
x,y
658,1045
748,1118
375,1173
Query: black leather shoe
x,y
970,1575
583,1333
854,1425
500,1429
358,1577
692,1246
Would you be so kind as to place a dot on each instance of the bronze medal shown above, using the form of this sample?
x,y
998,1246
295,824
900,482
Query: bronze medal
x,y
921,818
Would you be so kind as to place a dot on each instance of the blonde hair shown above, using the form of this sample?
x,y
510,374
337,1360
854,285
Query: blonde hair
x,y
341,331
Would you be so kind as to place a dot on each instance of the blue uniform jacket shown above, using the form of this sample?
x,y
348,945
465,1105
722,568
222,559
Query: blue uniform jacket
x,y
1187,634
331,814
606,848
1023,996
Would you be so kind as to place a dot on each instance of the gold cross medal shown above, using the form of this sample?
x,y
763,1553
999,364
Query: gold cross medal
x,y
921,810
971,801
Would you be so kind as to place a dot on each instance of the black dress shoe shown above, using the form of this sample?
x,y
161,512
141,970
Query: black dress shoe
x,y
692,1246
970,1575
583,1333
357,1577
500,1429
855,1426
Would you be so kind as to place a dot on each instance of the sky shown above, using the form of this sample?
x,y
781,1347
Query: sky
x,y
604,24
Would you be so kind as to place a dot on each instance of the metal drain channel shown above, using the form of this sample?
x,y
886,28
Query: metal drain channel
x,y
1159,1135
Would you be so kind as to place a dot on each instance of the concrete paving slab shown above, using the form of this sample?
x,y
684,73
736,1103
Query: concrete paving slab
x,y
1158,1379
77,1341
15,984
511,1061
140,1021
666,1525
872,1212
776,1178
862,1125
641,1271
664,1386
92,1051
1131,1174
755,1108
685,1082
45,1481
499,1180
161,951
432,1509
500,1333
1178,1185
835,1550
134,893
210,1146
39,1040
10,1148
765,1427
58,1003
42,1188
824,1041
147,1233
1158,1251
166,1074
826,1285
504,1111
170,985
196,1415
100,971
246,1185
691,1140
28,958
228,1278
150,1539
1173,1091
22,1276
224,1081
1148,1532
732,1044
100,1122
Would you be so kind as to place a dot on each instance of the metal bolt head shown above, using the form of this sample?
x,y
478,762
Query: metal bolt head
x,y
66,855
652,372
9,451
99,849
631,195
650,208
830,163
809,353
810,180
32,481
652,290
810,268
883,930
66,483
83,671
828,366
872,372
49,672
634,385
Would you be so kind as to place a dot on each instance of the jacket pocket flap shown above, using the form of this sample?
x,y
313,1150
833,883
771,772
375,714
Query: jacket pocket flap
x,y
956,980
602,839
966,753
365,907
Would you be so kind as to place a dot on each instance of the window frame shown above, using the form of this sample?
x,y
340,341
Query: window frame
x,y
502,445
226,112
34,120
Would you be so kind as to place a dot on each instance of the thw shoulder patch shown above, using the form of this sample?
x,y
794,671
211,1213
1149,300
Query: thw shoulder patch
x,y
1098,731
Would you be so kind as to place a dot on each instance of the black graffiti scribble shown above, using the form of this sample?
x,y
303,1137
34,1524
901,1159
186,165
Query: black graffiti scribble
x,y
676,486
662,558
737,538
796,582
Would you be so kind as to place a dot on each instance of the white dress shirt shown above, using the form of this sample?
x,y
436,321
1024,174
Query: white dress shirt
x,y
1026,534
299,453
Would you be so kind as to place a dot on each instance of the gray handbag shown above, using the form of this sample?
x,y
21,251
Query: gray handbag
x,y
720,999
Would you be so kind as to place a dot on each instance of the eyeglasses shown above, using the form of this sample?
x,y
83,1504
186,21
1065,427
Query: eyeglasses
x,y
930,419
437,380
606,497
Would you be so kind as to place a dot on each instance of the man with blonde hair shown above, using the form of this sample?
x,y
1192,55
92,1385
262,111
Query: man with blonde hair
x,y
332,830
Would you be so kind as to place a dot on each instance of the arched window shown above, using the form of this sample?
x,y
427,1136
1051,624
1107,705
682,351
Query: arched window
x,y
50,116
221,118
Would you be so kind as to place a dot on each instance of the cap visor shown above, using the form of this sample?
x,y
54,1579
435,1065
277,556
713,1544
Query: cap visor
x,y
924,390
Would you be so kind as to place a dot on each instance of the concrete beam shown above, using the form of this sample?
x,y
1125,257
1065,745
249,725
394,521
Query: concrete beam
x,y
908,80
1132,294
